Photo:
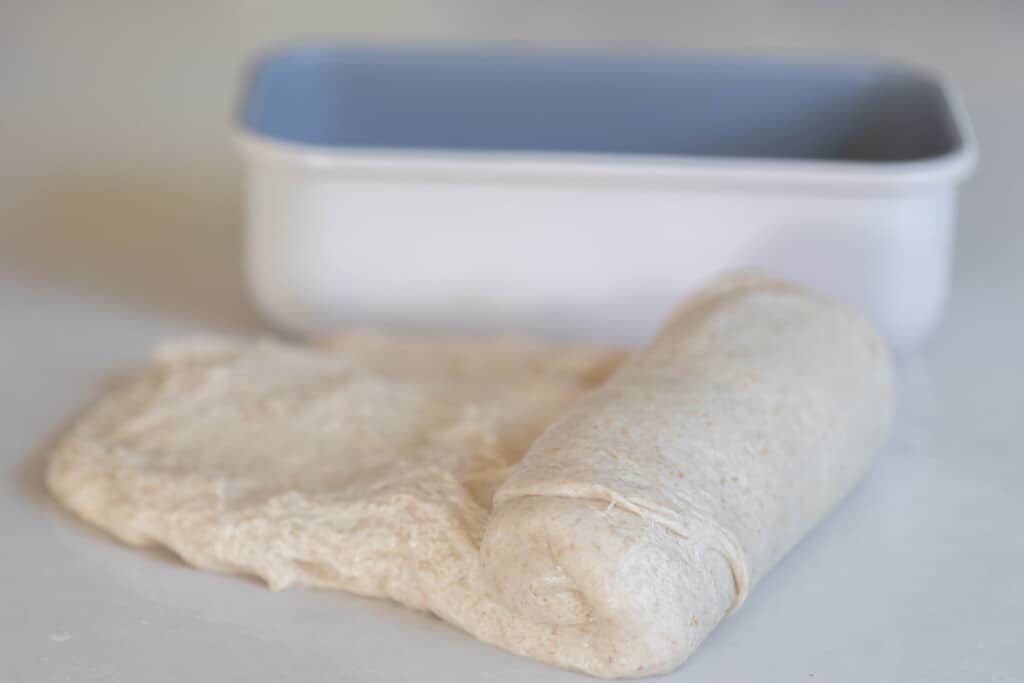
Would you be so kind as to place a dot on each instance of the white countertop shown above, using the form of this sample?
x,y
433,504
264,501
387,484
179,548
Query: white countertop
x,y
119,226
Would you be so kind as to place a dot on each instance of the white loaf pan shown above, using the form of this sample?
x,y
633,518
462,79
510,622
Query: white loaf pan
x,y
581,197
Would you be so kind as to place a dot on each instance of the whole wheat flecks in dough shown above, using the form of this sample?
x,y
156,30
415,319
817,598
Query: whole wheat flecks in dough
x,y
611,541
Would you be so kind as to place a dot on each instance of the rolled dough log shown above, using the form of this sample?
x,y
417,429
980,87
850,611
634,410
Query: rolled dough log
x,y
755,410
370,464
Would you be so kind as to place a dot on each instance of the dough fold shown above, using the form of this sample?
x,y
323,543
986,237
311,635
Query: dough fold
x,y
753,412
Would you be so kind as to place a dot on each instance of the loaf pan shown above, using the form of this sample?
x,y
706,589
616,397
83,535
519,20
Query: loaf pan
x,y
581,196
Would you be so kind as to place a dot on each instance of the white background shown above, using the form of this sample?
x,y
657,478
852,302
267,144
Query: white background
x,y
119,226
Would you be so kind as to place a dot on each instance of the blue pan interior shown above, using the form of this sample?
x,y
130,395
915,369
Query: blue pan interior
x,y
485,101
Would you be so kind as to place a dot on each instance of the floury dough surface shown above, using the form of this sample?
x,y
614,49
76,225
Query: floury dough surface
x,y
663,488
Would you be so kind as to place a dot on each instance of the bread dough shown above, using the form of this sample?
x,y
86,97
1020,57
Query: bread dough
x,y
753,412
371,464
